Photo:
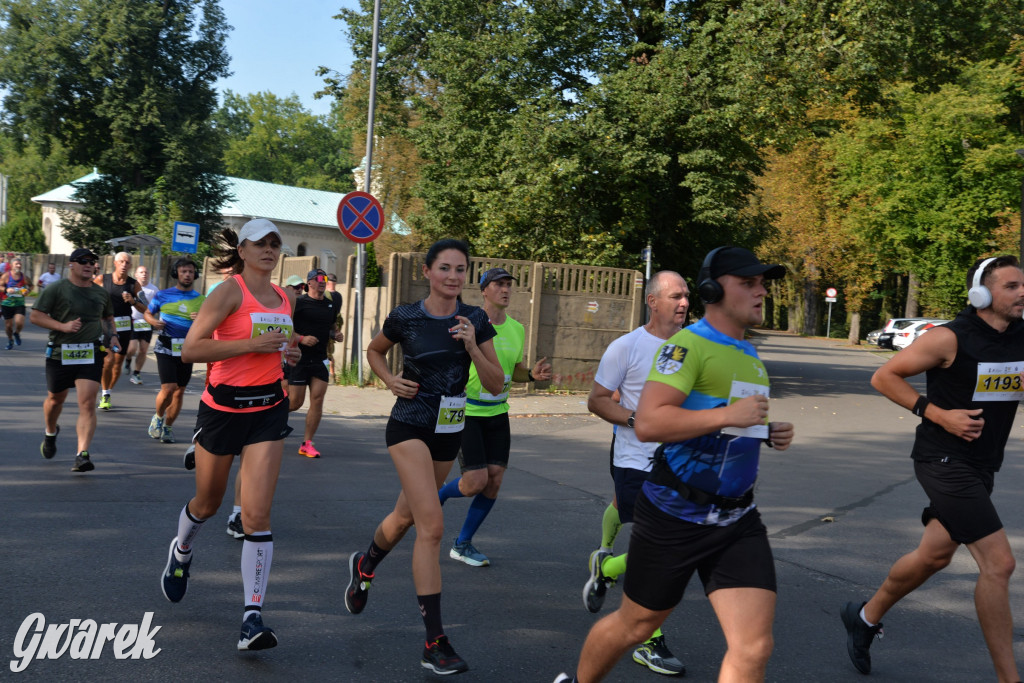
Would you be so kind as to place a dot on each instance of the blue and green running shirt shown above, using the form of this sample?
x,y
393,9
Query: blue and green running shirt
x,y
509,346
713,370
175,307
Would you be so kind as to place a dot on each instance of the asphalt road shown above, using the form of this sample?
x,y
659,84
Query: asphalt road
x,y
841,505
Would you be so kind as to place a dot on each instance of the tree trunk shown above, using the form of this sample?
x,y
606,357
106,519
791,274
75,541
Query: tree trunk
x,y
854,336
810,326
912,309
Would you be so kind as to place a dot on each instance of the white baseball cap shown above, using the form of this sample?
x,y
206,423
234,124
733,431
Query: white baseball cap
x,y
257,229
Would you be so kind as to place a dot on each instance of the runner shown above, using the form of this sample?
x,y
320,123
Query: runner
x,y
49,277
243,329
624,368
15,285
80,318
486,440
706,399
973,367
314,324
142,331
334,295
176,307
124,296
440,337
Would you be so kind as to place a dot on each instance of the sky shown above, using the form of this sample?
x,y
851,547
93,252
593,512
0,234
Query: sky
x,y
277,46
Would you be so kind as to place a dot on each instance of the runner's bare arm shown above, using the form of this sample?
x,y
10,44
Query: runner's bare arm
x,y
660,417
376,356
602,403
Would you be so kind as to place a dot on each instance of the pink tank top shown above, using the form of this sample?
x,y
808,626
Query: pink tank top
x,y
251,369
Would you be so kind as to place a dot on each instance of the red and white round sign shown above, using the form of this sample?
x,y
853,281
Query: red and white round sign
x,y
831,292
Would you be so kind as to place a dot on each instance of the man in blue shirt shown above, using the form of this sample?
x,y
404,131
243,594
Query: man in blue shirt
x,y
171,313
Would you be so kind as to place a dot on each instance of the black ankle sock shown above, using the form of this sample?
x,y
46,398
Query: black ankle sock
x,y
374,555
430,608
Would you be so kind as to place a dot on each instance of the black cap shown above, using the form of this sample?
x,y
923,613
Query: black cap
x,y
742,263
313,273
81,253
493,274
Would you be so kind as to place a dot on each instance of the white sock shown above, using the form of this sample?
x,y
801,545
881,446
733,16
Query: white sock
x,y
188,527
106,392
256,559
864,618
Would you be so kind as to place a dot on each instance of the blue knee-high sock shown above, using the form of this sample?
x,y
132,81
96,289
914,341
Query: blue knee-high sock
x,y
478,510
450,490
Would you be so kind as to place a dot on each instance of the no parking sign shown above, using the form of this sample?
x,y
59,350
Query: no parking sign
x,y
360,217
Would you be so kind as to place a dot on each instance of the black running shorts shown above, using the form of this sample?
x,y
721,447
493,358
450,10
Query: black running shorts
x,y
123,339
223,433
664,551
485,441
959,496
62,377
304,371
172,370
628,483
443,447
11,311
143,335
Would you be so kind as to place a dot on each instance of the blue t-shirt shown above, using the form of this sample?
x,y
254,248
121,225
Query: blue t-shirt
x,y
713,370
175,308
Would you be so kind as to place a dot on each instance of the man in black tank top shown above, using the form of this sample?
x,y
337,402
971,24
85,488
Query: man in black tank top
x,y
124,296
974,369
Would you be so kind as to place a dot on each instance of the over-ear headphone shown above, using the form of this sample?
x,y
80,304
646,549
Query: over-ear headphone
x,y
979,295
709,290
182,262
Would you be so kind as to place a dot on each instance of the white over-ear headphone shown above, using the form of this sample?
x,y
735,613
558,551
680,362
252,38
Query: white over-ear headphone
x,y
978,294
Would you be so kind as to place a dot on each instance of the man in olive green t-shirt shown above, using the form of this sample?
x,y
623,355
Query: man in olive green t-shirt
x,y
486,438
80,318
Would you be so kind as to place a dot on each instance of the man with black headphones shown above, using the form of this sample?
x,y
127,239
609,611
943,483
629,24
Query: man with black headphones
x,y
706,400
973,366
176,307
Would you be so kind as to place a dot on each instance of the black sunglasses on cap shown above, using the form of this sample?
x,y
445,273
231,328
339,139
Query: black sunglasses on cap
x,y
85,261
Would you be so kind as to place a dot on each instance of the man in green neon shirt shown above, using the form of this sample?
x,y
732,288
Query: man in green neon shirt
x,y
486,439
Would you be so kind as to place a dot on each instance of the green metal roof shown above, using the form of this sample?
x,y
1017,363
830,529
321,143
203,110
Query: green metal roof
x,y
250,198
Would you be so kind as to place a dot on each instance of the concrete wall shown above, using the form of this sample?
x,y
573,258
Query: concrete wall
x,y
570,313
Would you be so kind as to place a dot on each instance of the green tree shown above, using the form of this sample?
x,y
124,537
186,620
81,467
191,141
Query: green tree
x,y
125,86
279,141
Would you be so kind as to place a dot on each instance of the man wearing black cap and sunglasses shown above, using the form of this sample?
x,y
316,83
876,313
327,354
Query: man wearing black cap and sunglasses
x,y
315,319
706,401
80,318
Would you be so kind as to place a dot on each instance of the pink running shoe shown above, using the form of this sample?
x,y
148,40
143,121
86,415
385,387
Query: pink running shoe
x,y
307,450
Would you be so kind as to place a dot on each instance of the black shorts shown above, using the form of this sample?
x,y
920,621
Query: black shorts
x,y
443,447
224,433
485,441
60,377
304,371
171,370
11,311
123,339
628,483
664,551
959,496
143,335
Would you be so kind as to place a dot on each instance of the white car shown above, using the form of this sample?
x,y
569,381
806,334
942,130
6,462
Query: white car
x,y
905,337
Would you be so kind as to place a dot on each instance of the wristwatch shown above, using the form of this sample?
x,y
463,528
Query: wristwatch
x,y
631,419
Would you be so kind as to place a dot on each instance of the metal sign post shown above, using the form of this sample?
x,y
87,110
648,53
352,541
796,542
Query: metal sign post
x,y
830,297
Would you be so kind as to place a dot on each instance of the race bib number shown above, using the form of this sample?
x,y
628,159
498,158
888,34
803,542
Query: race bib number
x,y
123,323
77,354
503,396
451,416
999,382
141,326
176,344
271,322
741,390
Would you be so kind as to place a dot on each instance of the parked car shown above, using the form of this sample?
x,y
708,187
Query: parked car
x,y
906,336
873,336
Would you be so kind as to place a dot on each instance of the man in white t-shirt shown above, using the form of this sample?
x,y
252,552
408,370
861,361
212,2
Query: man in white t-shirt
x,y
142,331
624,368
49,277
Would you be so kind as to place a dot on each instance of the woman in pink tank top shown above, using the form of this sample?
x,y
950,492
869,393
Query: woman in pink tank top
x,y
244,330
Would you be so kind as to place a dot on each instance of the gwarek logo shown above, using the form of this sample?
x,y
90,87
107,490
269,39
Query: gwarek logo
x,y
81,639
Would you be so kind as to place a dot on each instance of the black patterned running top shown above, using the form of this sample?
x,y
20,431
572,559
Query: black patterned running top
x,y
432,358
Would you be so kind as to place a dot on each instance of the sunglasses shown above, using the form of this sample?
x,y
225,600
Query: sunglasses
x,y
320,278
85,261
